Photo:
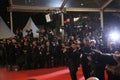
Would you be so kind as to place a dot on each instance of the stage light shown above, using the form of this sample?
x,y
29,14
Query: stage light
x,y
81,4
60,30
114,36
67,20
76,19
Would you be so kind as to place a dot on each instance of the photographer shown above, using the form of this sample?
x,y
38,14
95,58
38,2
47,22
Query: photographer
x,y
29,33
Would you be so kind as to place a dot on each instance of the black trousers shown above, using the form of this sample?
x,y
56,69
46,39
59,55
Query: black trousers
x,y
42,61
86,71
48,60
112,76
73,71
98,70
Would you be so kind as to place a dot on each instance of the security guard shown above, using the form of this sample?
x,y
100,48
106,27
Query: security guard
x,y
85,51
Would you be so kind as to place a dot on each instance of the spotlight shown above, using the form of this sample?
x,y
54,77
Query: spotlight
x,y
76,19
114,36
60,30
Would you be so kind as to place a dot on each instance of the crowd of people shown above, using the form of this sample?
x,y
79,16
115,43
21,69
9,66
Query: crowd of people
x,y
49,50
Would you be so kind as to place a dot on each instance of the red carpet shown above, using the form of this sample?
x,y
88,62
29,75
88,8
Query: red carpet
x,y
60,73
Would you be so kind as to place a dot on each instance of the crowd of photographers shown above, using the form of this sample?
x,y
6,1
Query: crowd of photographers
x,y
21,53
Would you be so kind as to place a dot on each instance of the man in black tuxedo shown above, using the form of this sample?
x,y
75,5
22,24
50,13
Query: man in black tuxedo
x,y
42,56
11,50
35,55
27,55
73,60
49,53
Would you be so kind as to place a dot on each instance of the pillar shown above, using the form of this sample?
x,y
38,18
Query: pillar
x,y
11,21
62,24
